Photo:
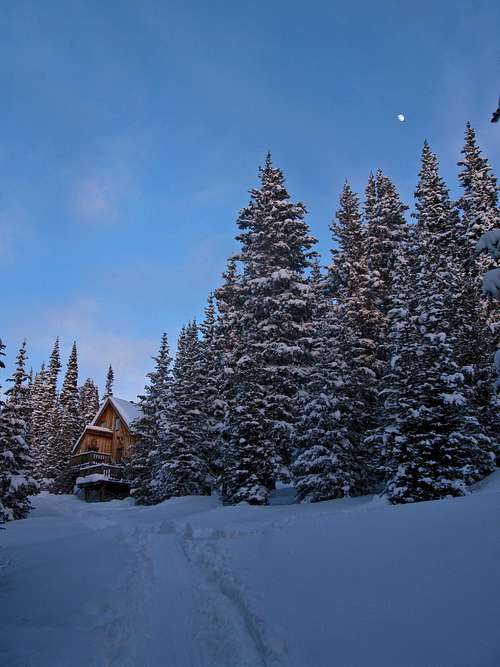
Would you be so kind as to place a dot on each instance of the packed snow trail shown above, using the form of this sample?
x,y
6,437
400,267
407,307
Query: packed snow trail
x,y
189,583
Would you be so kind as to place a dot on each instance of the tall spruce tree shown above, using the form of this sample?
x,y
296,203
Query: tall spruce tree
x,y
349,287
479,317
437,445
361,280
386,233
40,415
274,338
110,377
56,475
16,465
225,343
386,230
478,202
150,429
44,402
70,426
326,465
184,469
53,374
88,397
212,380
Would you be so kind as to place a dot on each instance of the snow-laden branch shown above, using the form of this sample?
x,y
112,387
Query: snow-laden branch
x,y
491,284
490,243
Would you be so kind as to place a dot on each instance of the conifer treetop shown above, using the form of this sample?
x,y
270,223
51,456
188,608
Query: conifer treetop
x,y
108,391
273,235
69,390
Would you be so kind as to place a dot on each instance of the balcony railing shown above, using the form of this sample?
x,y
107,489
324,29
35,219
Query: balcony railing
x,y
113,473
90,458
97,463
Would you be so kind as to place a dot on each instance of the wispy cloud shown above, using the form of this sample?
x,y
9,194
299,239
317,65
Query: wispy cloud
x,y
106,179
97,198
6,238
12,229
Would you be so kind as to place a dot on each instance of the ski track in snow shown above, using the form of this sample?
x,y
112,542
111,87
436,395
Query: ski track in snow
x,y
221,618
234,608
189,583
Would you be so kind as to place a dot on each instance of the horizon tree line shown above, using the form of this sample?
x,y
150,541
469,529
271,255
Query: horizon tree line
x,y
39,424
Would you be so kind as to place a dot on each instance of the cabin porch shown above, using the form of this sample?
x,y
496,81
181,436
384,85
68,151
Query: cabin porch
x,y
99,476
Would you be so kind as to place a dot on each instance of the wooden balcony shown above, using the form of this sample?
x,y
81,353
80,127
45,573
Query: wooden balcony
x,y
93,463
90,459
107,473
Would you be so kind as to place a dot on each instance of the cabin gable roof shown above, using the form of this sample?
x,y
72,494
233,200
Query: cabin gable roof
x,y
126,410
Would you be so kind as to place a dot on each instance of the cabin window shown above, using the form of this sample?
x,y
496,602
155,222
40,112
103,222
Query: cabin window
x,y
117,424
93,447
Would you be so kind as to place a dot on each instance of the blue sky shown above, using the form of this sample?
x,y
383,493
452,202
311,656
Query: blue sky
x,y
132,131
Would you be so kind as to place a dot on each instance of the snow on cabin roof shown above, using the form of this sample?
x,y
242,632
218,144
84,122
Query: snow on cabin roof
x,y
127,410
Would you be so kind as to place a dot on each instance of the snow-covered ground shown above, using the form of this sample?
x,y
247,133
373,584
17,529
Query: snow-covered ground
x,y
191,583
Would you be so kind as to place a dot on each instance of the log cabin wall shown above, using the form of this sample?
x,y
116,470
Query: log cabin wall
x,y
107,418
120,442
122,439
96,442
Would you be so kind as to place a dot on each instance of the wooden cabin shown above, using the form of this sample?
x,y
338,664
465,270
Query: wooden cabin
x,y
98,455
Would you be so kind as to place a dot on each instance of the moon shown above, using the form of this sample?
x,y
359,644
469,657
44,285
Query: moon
x,y
401,117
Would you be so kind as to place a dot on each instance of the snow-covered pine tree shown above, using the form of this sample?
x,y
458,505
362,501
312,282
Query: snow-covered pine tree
x,y
274,329
110,378
40,415
55,475
212,379
479,317
478,202
349,255
401,307
438,447
16,465
325,466
184,469
225,343
386,230
44,399
249,455
150,429
53,374
490,243
360,281
88,396
226,298
348,283
386,236
70,426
